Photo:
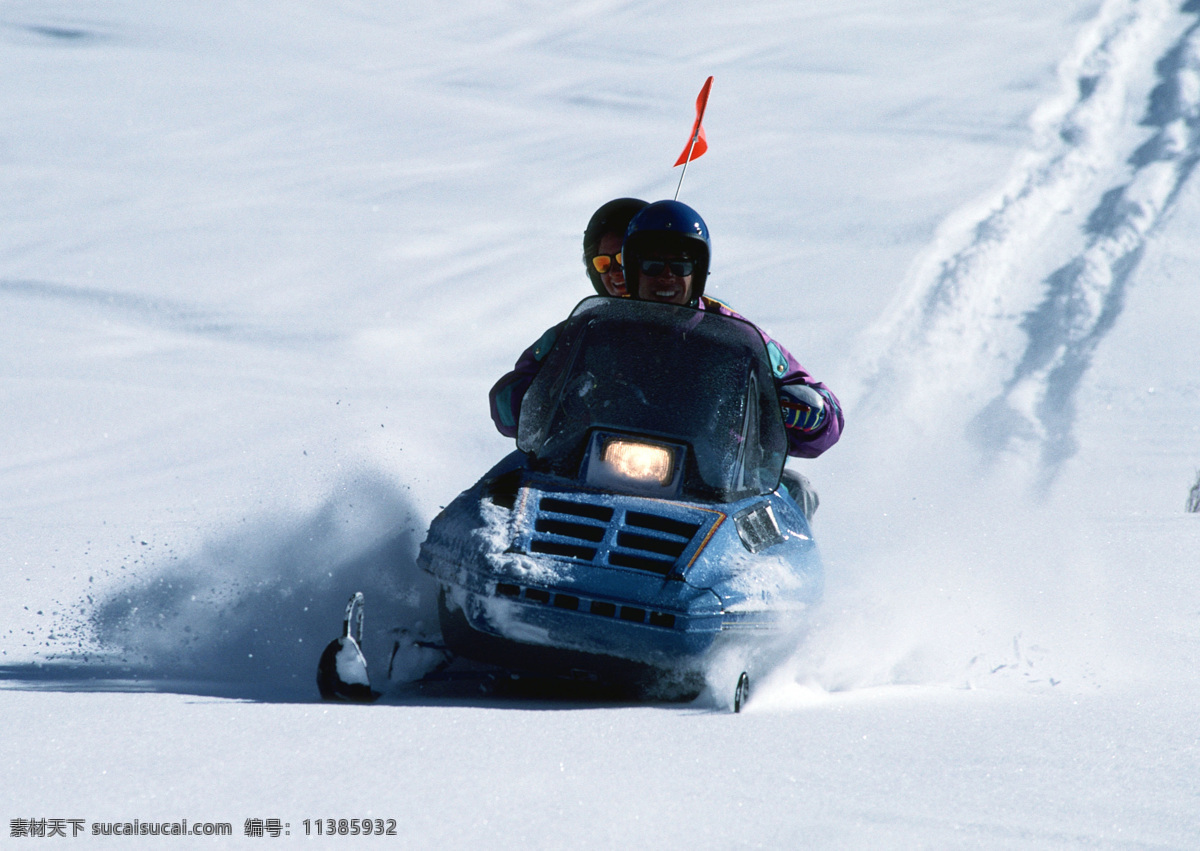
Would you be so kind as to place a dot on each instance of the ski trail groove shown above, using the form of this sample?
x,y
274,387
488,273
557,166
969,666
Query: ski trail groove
x,y
987,341
1084,297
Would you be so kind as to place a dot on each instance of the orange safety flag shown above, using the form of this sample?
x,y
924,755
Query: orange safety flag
x,y
696,144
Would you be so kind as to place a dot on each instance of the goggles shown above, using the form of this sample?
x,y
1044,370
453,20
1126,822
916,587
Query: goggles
x,y
607,262
679,268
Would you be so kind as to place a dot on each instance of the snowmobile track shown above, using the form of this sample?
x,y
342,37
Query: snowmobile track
x,y
982,291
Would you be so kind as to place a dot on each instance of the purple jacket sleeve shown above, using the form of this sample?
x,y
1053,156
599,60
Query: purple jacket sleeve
x,y
788,371
811,444
507,394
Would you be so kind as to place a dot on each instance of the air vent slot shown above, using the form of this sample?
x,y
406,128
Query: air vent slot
x,y
639,562
578,509
557,548
503,489
667,525
566,529
662,546
634,614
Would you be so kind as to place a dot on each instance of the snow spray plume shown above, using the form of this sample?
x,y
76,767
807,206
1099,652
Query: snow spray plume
x,y
696,144
247,615
938,576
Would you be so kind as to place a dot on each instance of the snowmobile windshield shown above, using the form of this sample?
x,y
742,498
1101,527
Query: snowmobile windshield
x,y
695,384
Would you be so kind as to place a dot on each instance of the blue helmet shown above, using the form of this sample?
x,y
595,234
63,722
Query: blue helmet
x,y
670,226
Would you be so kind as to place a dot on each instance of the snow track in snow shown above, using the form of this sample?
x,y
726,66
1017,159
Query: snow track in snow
x,y
998,329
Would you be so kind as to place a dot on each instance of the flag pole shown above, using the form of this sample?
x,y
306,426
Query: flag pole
x,y
691,145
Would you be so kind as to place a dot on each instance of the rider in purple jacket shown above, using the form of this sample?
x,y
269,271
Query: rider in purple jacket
x,y
666,257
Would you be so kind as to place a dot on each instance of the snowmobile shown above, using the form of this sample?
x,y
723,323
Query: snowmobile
x,y
639,536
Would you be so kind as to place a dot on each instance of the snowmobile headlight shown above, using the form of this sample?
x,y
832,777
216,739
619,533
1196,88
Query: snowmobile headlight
x,y
640,462
627,463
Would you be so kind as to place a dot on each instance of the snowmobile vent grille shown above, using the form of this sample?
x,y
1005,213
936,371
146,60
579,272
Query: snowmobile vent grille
x,y
656,546
574,533
600,534
603,608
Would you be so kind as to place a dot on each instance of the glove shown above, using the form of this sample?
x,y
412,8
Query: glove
x,y
803,408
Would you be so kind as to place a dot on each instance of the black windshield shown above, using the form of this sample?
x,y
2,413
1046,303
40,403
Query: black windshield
x,y
690,377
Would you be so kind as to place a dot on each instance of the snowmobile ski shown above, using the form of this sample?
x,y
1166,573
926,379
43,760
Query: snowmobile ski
x,y
342,669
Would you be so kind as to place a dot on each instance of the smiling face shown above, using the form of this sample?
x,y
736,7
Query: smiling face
x,y
614,279
666,276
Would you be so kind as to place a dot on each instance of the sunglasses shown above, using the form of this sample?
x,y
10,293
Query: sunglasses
x,y
679,268
607,262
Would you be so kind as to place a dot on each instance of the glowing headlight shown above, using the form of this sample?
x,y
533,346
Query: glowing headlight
x,y
641,462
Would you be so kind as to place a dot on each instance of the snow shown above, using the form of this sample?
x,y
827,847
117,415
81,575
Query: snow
x,y
261,263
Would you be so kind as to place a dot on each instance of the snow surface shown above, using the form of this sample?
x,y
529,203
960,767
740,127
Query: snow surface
x,y
261,262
